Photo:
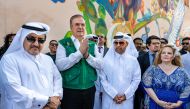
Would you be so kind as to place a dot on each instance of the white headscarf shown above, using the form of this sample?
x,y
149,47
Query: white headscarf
x,y
131,49
31,27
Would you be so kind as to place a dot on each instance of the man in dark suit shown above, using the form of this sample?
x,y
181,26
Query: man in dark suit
x,y
145,60
138,44
185,44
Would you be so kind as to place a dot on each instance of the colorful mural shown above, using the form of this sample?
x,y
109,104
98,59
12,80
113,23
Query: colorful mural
x,y
130,16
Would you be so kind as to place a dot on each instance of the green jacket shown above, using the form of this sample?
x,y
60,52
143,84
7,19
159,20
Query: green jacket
x,y
81,75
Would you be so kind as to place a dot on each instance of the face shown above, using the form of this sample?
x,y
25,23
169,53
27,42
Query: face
x,y
120,46
167,54
138,44
163,43
185,44
102,40
78,27
33,43
154,45
53,46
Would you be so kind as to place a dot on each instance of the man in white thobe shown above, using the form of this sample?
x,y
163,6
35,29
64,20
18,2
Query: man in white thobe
x,y
30,79
120,75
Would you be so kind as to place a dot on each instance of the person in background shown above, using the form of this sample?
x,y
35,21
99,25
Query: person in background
x,y
30,79
163,42
166,82
53,48
7,42
186,64
185,43
138,44
77,60
145,60
120,76
102,49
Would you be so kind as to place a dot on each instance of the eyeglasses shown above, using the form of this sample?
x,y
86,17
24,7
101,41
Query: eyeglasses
x,y
120,43
185,43
32,40
53,44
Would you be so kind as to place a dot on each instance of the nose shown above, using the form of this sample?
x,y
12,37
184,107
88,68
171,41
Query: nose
x,y
36,43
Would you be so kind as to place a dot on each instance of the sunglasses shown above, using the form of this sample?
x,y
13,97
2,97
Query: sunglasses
x,y
53,44
120,43
185,43
32,40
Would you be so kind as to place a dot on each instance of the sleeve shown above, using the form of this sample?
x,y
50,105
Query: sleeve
x,y
108,88
136,78
186,90
14,89
95,62
63,62
147,77
58,90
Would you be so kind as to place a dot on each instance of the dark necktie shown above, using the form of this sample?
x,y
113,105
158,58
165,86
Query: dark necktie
x,y
99,49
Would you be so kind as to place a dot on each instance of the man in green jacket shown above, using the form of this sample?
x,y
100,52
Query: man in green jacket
x,y
75,58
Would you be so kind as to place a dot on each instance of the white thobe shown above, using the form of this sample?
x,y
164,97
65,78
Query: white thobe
x,y
121,77
29,81
97,100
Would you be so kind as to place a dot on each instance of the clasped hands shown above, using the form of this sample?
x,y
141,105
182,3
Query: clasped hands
x,y
118,99
168,105
84,48
53,103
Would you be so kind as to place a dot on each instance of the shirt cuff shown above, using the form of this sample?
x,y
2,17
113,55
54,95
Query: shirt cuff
x,y
40,101
79,54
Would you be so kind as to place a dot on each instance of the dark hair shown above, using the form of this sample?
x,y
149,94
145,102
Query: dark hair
x,y
150,38
73,17
137,39
164,40
52,41
185,38
7,37
5,46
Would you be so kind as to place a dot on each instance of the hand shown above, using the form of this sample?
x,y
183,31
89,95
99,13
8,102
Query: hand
x,y
119,99
54,102
46,107
164,104
84,46
174,105
86,55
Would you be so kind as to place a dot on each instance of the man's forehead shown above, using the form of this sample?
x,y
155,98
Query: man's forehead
x,y
120,40
78,20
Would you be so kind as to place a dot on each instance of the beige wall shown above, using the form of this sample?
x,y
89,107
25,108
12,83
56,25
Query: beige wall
x,y
14,13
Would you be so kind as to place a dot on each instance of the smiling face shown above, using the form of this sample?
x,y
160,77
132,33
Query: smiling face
x,y
78,27
167,54
33,43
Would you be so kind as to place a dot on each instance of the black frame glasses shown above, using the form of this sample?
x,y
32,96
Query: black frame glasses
x,y
32,40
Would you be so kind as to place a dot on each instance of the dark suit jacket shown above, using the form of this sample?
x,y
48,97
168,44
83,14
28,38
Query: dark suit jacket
x,y
144,62
182,52
105,50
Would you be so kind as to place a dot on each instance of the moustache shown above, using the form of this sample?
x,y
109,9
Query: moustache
x,y
34,47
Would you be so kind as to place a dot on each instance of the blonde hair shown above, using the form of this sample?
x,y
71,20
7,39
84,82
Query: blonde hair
x,y
177,58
